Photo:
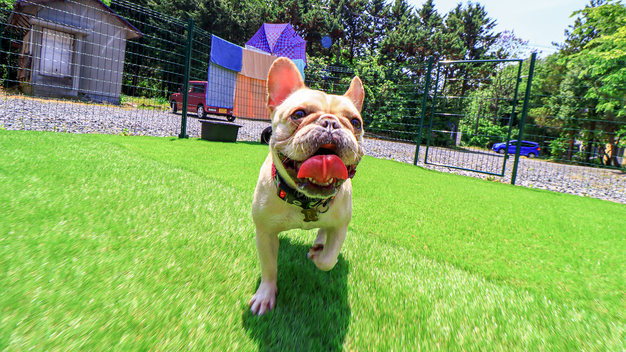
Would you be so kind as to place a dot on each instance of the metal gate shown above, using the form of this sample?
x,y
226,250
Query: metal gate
x,y
474,105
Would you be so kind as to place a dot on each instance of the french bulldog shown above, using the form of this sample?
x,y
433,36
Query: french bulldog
x,y
316,144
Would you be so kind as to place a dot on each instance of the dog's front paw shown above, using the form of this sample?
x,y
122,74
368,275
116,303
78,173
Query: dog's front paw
x,y
315,251
264,299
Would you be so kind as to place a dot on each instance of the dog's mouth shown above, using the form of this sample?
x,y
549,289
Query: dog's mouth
x,y
322,173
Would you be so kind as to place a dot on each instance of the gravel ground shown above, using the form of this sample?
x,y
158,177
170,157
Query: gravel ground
x,y
18,113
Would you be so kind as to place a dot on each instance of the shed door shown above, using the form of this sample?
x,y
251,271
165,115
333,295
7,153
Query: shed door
x,y
56,53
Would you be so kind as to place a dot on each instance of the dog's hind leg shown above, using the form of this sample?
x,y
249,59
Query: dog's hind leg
x,y
318,245
324,254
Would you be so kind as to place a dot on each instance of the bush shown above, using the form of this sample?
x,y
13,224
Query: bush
x,y
488,132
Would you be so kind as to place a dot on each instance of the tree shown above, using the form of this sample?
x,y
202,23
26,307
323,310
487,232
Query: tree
x,y
605,63
579,34
471,31
509,46
474,31
430,33
468,35
589,103
378,11
400,42
310,20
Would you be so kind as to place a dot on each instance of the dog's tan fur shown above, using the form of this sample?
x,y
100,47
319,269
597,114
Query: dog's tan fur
x,y
328,121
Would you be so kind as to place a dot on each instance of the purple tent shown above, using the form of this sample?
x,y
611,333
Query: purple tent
x,y
279,40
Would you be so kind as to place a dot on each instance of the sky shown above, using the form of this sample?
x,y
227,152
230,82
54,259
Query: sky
x,y
540,22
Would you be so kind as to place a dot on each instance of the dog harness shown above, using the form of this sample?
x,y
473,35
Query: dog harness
x,y
311,207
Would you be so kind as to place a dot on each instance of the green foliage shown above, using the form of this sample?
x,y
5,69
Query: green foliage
x,y
473,30
394,96
558,147
605,57
485,135
396,31
158,103
579,91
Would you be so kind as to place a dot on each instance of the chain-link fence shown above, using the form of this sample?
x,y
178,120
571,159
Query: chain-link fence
x,y
571,121
474,109
576,115
84,67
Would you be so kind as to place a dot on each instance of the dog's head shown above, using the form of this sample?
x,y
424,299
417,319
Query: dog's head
x,y
317,138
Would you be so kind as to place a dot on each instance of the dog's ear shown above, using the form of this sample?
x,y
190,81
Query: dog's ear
x,y
283,79
356,93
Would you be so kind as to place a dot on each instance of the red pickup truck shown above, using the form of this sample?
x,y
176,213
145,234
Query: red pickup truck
x,y
196,102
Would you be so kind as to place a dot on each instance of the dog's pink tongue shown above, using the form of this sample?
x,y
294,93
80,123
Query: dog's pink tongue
x,y
322,168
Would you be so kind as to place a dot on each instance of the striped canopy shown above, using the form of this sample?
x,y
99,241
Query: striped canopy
x,y
279,40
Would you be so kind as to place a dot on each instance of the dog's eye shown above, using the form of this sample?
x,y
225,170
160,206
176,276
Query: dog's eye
x,y
298,114
356,124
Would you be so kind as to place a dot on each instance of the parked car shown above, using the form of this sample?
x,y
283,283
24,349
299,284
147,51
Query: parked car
x,y
196,102
528,149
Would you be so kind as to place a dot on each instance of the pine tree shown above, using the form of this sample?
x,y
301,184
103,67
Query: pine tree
x,y
378,12
470,37
430,33
400,41
474,31
579,34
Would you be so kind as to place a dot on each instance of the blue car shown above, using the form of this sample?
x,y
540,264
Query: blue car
x,y
528,149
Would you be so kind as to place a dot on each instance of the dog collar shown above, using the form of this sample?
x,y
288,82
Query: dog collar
x,y
310,206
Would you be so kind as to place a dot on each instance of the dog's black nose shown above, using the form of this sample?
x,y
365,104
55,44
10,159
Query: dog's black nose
x,y
329,121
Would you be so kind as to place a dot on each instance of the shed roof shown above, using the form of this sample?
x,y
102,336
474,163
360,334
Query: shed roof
x,y
21,3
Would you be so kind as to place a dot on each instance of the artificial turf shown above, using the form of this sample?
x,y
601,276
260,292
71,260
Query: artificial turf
x,y
143,243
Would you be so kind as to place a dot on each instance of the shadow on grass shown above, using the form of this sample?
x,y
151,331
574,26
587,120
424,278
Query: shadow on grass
x,y
312,312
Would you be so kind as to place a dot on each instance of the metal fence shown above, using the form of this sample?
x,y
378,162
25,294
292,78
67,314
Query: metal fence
x,y
85,67
579,129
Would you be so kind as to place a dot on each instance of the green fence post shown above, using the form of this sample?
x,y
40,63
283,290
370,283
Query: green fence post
x,y
432,113
423,112
183,121
531,71
508,135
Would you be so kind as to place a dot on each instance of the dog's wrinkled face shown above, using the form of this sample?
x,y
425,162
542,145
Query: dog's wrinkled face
x,y
317,138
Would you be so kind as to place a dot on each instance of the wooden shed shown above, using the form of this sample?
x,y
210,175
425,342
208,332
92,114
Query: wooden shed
x,y
71,48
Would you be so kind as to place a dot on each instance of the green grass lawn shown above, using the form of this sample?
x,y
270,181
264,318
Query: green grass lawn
x,y
141,243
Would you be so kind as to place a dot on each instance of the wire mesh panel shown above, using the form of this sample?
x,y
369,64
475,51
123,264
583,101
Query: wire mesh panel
x,y
577,116
154,68
393,104
81,66
473,115
329,79
392,109
84,67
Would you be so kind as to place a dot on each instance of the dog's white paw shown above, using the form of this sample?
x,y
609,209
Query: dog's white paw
x,y
264,299
315,251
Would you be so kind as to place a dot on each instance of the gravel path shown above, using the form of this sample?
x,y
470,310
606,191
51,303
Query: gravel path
x,y
17,113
